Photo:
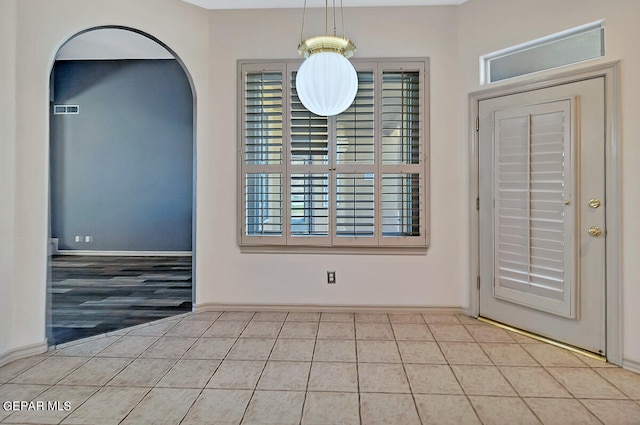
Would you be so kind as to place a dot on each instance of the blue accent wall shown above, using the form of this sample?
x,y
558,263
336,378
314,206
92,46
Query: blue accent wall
x,y
122,169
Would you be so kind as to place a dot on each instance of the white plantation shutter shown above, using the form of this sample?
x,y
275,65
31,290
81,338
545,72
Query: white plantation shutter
x,y
261,155
533,207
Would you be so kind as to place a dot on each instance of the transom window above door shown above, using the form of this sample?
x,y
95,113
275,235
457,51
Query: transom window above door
x,y
354,180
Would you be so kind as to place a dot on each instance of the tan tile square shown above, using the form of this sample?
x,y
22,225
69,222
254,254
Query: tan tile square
x,y
378,351
204,315
372,318
270,316
299,329
303,316
286,376
450,332
505,354
561,411
503,411
468,353
128,346
258,329
585,383
432,379
382,378
169,348
158,329
225,329
226,406
87,349
239,316
625,381
335,350
406,318
142,373
237,375
189,374
380,331
108,406
411,331
430,318
162,406
420,352
251,349
336,330
210,348
489,333
446,410
388,409
327,376
15,368
548,355
18,392
337,317
96,372
299,350
275,407
482,380
50,370
615,412
190,328
73,395
533,382
322,408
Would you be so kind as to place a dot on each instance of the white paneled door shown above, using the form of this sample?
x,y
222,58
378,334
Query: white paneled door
x,y
542,196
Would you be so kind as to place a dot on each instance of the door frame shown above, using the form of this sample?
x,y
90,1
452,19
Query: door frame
x,y
610,71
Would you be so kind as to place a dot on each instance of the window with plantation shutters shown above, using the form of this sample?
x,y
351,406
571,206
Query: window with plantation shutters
x,y
357,179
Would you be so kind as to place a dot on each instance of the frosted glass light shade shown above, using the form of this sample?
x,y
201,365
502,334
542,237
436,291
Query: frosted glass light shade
x,y
326,83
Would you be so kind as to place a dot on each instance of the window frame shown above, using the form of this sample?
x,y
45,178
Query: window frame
x,y
332,243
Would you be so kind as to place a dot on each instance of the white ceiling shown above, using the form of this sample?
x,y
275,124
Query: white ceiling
x,y
269,4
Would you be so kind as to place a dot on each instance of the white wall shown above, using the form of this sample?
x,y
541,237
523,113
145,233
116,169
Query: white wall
x,y
436,279
7,169
485,26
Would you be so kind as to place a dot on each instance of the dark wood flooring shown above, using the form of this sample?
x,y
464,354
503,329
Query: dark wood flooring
x,y
91,295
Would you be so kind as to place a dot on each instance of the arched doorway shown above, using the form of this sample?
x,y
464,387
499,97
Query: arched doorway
x,y
121,184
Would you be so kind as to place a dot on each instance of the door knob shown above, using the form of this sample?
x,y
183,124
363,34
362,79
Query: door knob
x,y
594,203
595,231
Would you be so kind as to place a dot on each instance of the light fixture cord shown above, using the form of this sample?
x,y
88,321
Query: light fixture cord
x,y
326,17
334,18
304,12
342,17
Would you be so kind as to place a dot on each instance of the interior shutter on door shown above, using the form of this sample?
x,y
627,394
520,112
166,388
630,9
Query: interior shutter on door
x,y
534,219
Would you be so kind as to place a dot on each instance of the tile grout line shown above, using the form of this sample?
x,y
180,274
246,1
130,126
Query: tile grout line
x,y
464,392
404,368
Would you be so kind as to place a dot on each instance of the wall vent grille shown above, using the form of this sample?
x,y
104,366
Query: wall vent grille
x,y
66,109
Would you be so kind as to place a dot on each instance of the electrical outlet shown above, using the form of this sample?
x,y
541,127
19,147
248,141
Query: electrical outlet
x,y
331,276
88,238
78,239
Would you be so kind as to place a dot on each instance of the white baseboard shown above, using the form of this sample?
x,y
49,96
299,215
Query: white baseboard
x,y
22,352
199,308
631,365
125,253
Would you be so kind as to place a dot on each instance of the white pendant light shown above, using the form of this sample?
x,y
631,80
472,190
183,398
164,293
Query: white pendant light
x,y
326,81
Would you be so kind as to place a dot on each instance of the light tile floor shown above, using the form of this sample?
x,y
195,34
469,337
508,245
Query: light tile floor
x,y
317,368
